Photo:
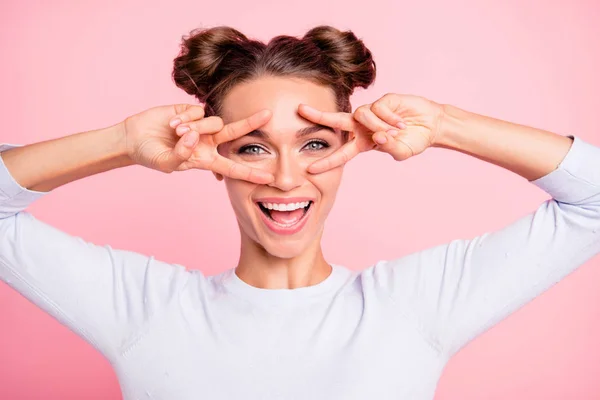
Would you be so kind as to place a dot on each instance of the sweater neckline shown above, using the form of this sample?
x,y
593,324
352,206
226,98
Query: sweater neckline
x,y
275,297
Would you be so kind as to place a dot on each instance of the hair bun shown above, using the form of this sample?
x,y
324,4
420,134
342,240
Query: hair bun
x,y
213,61
199,65
349,57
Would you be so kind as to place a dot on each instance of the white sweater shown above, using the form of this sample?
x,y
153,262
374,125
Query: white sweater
x,y
383,333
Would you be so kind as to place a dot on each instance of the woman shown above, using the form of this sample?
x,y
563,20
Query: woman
x,y
277,126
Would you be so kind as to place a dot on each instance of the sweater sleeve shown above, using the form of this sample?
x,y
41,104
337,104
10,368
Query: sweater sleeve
x,y
102,294
459,290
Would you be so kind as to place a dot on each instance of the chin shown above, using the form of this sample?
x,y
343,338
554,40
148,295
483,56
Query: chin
x,y
284,250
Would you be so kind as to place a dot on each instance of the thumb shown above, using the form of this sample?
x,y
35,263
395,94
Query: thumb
x,y
393,145
183,150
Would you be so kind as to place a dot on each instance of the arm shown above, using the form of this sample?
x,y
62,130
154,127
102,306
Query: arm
x,y
47,165
526,151
102,294
458,290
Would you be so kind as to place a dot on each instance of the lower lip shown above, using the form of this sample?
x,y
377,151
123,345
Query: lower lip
x,y
285,230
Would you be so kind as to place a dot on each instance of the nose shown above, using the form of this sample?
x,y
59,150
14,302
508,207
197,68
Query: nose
x,y
288,173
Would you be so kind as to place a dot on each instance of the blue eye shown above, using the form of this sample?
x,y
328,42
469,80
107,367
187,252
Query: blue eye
x,y
315,145
250,149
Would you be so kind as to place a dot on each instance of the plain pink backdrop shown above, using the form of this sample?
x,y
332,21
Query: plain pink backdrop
x,y
70,66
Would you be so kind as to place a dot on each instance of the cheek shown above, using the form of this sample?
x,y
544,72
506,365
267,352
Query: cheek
x,y
239,193
328,182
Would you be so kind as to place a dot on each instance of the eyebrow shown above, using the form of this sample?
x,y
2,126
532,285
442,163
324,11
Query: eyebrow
x,y
259,133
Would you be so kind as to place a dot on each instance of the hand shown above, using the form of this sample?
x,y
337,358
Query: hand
x,y
400,125
178,138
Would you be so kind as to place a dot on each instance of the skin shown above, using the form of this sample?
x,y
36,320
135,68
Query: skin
x,y
267,259
401,125
398,124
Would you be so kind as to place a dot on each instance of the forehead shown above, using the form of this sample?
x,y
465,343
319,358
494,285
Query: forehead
x,y
281,95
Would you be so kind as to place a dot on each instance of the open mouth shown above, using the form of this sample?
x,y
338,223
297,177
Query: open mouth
x,y
285,215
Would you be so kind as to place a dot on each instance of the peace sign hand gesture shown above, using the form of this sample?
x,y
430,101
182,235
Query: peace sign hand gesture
x,y
178,138
400,125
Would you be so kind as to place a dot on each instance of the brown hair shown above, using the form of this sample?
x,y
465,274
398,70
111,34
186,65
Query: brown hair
x,y
214,60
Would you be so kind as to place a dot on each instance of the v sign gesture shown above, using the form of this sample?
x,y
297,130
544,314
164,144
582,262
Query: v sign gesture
x,y
178,138
400,125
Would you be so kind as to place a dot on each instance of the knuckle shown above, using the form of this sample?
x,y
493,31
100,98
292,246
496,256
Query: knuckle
x,y
194,126
345,157
209,164
229,132
251,175
231,170
377,107
219,125
248,125
360,113
338,122
180,153
319,118
180,108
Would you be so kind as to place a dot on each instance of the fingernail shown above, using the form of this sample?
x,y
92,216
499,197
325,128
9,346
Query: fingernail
x,y
401,125
381,139
183,129
393,132
174,122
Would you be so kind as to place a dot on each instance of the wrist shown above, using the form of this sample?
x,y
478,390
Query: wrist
x,y
118,144
451,127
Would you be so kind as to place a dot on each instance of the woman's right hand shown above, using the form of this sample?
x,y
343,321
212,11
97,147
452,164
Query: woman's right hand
x,y
156,138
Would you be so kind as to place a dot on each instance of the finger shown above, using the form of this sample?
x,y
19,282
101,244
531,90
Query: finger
x,y
340,157
339,120
231,169
186,113
369,120
381,110
182,151
394,146
206,125
238,129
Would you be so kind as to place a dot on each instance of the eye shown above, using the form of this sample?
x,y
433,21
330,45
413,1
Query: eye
x,y
315,145
251,149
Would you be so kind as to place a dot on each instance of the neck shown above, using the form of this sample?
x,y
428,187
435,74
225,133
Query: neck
x,y
258,268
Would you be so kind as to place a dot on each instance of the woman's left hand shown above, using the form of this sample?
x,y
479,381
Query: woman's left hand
x,y
398,124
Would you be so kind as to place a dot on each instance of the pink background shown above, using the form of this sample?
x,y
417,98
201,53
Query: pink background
x,y
74,66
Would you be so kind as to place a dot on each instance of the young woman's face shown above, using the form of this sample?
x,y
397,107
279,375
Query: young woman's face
x,y
287,216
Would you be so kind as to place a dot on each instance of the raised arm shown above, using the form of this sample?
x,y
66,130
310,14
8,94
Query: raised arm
x,y
529,152
458,290
104,295
44,166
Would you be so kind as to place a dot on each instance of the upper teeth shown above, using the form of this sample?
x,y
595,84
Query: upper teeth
x,y
285,207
